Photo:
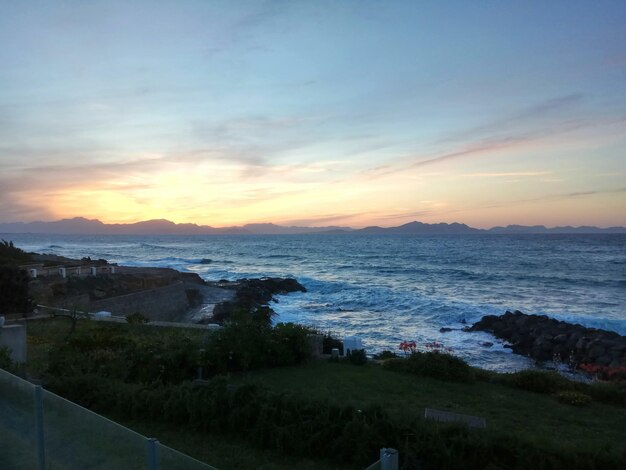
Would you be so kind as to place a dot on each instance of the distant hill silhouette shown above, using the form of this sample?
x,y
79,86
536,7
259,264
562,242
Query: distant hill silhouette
x,y
565,229
83,226
422,228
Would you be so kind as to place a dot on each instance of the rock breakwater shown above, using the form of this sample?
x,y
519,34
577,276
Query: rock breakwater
x,y
544,338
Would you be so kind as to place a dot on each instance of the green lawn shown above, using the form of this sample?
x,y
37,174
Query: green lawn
x,y
224,452
538,416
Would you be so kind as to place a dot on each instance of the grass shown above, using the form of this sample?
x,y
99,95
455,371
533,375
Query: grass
x,y
225,453
539,417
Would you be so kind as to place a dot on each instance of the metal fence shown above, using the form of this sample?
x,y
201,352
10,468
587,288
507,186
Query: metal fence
x,y
388,460
43,431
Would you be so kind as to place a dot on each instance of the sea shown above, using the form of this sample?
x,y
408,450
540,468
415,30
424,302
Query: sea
x,y
386,289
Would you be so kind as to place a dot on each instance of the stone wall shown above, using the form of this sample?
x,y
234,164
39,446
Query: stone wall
x,y
167,303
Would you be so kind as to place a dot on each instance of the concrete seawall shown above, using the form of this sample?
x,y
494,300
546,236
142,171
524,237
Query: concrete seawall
x,y
167,303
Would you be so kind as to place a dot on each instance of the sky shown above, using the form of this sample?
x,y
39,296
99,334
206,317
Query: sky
x,y
314,113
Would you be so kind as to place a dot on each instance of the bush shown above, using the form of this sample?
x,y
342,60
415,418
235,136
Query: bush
x,y
437,365
289,344
538,381
573,398
172,357
249,345
384,355
551,383
107,352
10,254
137,318
611,393
357,357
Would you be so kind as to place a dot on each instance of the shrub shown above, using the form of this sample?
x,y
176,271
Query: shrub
x,y
140,359
137,318
538,381
384,355
357,357
289,344
10,254
573,398
433,364
611,393
248,345
172,357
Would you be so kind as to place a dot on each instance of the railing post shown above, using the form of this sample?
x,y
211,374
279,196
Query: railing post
x,y
388,459
153,454
41,445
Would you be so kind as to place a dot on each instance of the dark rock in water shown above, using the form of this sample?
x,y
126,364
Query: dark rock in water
x,y
544,338
444,329
486,344
253,294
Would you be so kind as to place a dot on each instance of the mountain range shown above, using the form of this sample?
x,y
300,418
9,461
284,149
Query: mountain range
x,y
83,226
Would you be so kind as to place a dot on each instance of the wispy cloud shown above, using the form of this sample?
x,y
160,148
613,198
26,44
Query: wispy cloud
x,y
506,174
552,108
554,197
326,219
480,147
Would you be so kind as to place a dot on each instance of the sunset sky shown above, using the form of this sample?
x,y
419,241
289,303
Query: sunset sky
x,y
314,113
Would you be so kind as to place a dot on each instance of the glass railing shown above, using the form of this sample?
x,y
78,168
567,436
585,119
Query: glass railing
x,y
41,430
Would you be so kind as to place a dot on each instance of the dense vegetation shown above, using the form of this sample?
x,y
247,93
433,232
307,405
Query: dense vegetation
x,y
10,254
433,364
172,358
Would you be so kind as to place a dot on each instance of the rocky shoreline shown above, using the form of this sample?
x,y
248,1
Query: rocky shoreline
x,y
250,295
543,338
157,293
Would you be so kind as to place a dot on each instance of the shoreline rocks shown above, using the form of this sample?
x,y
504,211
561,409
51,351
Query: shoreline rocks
x,y
543,338
250,294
